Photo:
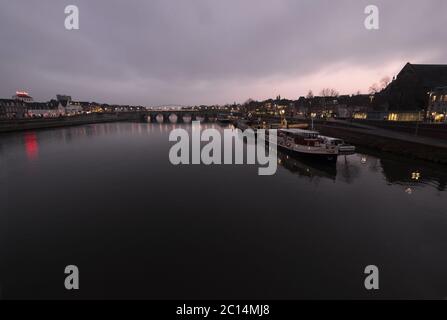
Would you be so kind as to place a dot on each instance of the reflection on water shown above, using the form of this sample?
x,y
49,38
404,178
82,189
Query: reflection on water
x,y
409,174
396,171
105,197
414,174
307,168
31,145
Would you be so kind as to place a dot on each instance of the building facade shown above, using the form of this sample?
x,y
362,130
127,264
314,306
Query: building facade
x,y
43,110
410,89
22,96
70,108
437,105
12,109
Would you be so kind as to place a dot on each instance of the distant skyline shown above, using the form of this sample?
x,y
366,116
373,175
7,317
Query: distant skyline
x,y
211,52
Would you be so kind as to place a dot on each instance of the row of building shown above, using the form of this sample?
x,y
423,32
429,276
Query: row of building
x,y
22,105
344,107
417,93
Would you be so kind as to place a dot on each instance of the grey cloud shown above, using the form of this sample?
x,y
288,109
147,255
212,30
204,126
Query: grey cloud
x,y
201,51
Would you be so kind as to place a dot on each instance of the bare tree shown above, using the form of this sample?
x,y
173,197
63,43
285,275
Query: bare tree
x,y
385,82
329,92
310,94
375,88
334,93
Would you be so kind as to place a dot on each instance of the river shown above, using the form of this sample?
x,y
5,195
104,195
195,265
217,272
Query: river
x,y
106,198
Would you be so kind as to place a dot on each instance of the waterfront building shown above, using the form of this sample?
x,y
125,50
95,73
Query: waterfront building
x,y
95,107
359,112
69,108
342,107
405,116
437,105
401,116
2,109
12,109
86,106
377,115
22,96
341,111
410,89
359,115
301,111
44,109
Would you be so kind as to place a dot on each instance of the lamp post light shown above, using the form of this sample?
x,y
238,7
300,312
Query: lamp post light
x,y
283,118
312,116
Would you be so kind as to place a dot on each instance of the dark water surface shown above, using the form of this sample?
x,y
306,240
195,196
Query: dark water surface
x,y
106,198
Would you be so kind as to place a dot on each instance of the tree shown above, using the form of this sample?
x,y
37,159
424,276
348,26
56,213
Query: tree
x,y
310,95
385,82
249,101
329,92
375,88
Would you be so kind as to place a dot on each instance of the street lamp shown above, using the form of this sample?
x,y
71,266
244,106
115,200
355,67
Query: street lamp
x,y
283,118
312,116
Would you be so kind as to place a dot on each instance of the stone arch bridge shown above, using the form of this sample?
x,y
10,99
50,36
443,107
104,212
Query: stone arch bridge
x,y
180,116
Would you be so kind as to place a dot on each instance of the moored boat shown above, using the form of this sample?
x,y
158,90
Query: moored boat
x,y
343,148
311,143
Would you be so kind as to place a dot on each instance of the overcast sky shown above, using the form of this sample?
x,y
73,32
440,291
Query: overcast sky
x,y
154,52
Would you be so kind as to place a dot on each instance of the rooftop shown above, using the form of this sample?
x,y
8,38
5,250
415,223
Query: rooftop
x,y
431,75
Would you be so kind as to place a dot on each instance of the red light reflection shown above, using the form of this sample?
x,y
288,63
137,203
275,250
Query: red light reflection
x,y
31,146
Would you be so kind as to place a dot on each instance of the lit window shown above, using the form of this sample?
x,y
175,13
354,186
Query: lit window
x,y
392,117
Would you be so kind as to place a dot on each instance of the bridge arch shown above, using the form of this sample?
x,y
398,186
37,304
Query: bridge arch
x,y
173,118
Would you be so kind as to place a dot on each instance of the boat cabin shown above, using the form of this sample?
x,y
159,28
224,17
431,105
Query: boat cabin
x,y
332,141
300,136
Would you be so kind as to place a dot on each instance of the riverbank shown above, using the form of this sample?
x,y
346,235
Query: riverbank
x,y
46,123
422,148
384,140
